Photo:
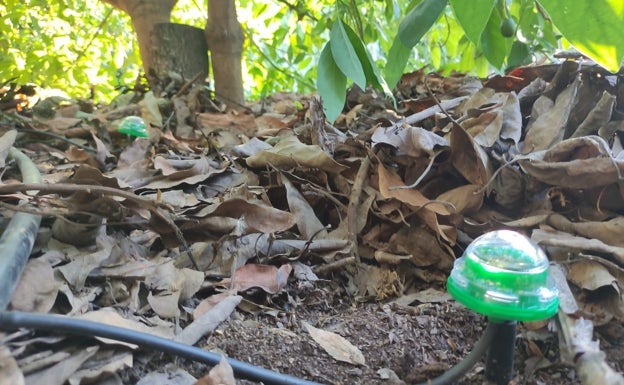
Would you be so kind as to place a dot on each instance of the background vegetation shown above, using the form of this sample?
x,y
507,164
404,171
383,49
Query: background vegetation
x,y
78,44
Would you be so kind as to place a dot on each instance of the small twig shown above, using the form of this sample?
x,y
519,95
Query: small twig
x,y
187,85
333,266
428,112
439,104
354,204
56,136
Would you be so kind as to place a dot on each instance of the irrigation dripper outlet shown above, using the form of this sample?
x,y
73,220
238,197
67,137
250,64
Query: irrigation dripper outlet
x,y
504,276
133,126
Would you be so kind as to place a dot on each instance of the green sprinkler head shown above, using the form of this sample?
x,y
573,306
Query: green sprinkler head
x,y
504,276
133,126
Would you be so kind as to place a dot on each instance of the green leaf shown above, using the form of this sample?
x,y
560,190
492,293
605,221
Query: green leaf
x,y
473,16
593,27
494,45
397,59
344,55
373,76
519,55
419,20
331,83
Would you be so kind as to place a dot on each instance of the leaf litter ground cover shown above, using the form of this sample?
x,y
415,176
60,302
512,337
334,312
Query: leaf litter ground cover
x,y
313,249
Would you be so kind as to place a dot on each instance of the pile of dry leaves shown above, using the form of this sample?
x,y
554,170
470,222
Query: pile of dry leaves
x,y
252,211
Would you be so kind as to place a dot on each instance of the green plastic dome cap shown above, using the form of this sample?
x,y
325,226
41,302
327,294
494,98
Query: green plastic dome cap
x,y
133,126
504,276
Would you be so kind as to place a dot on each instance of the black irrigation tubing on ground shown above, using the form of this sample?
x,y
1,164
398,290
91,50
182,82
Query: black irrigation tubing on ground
x,y
11,320
18,239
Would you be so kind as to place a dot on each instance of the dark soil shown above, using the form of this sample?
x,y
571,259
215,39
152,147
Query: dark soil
x,y
415,342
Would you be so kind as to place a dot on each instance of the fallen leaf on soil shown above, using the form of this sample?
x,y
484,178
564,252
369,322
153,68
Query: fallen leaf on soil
x,y
221,374
37,288
267,277
336,346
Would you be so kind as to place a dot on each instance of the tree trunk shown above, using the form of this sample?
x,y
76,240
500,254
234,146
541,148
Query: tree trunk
x,y
178,48
145,14
225,40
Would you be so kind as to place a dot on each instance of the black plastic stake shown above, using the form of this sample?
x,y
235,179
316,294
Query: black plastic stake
x,y
500,360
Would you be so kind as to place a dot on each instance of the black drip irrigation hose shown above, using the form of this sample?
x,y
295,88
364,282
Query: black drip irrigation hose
x,y
16,245
11,320
18,239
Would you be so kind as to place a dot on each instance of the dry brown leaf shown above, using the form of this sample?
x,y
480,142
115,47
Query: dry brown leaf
x,y
411,141
598,117
76,272
466,199
571,242
190,171
413,197
591,275
165,303
37,288
256,217
308,224
468,157
610,232
246,123
485,128
221,374
548,128
582,162
267,277
336,346
421,245
290,153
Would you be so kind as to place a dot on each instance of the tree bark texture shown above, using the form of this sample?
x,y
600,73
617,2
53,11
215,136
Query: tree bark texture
x,y
178,48
145,14
225,40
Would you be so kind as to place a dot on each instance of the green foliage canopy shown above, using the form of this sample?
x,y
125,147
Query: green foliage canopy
x,y
76,44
